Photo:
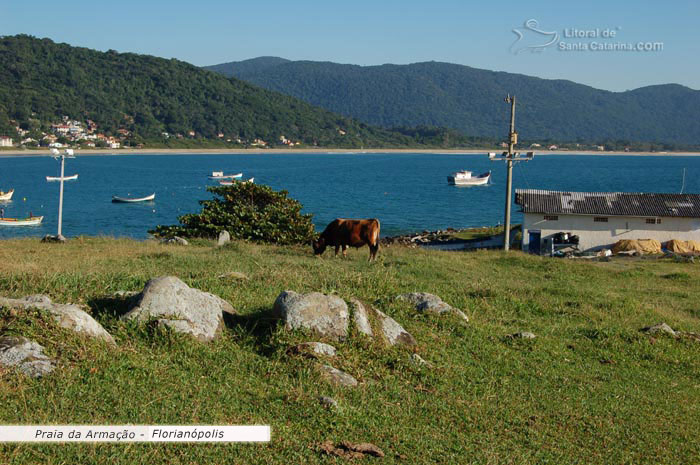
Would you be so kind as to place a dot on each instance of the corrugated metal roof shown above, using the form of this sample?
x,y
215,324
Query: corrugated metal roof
x,y
608,203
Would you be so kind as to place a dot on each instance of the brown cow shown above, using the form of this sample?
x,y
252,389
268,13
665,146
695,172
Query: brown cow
x,y
342,232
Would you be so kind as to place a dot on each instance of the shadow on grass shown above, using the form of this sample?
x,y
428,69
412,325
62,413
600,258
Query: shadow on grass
x,y
110,307
260,326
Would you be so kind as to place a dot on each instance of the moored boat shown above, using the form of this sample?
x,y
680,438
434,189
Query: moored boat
x,y
233,181
465,178
4,196
65,178
31,221
148,198
218,175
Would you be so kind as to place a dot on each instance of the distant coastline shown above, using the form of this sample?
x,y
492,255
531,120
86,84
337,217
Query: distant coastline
x,y
329,151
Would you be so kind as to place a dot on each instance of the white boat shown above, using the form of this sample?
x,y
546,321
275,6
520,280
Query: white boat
x,y
148,198
31,221
233,181
65,178
220,175
4,196
465,178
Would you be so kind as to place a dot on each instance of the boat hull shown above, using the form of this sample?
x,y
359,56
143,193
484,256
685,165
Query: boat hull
x,y
480,180
148,198
7,195
33,221
227,176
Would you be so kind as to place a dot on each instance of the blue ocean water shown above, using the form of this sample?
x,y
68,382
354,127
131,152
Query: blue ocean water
x,y
407,192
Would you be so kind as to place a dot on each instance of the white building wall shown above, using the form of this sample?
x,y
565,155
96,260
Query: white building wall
x,y
597,235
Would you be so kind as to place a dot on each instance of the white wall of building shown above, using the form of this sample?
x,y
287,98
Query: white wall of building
x,y
597,235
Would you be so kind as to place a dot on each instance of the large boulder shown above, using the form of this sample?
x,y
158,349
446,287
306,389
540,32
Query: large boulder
x,y
360,318
429,303
67,316
181,308
394,332
324,315
25,355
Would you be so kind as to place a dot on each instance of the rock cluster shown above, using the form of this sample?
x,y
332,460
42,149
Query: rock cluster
x,y
425,237
25,355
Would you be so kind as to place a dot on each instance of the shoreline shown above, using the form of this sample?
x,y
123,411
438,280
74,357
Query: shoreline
x,y
329,151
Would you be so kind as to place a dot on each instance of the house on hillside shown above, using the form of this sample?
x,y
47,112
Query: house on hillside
x,y
5,141
600,219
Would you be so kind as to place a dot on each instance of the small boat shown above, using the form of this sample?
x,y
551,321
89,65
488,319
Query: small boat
x,y
148,198
233,181
465,178
31,221
221,175
4,196
65,178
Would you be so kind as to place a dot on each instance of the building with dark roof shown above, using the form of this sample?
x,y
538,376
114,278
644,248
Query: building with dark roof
x,y
600,219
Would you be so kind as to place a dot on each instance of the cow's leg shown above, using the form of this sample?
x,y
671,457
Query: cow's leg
x,y
337,247
373,249
345,251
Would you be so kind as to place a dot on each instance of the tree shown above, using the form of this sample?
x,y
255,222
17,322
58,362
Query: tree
x,y
247,211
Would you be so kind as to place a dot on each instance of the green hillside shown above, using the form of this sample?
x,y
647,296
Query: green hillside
x,y
471,100
41,82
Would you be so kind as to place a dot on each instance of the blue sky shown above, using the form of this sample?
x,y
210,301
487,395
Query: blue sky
x,y
365,32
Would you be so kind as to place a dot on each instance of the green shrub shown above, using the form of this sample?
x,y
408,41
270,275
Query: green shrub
x,y
247,211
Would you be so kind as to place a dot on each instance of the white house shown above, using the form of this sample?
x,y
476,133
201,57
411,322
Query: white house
x,y
5,141
600,219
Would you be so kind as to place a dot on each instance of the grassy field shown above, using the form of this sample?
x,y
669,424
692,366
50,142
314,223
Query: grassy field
x,y
590,389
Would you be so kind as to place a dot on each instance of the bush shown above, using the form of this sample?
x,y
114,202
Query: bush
x,y
247,211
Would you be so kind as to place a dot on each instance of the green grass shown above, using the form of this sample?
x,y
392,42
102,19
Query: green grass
x,y
590,389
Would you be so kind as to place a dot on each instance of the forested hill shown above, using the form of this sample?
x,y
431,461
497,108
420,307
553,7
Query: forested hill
x,y
471,100
143,97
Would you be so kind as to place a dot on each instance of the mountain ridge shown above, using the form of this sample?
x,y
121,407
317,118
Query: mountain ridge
x,y
468,99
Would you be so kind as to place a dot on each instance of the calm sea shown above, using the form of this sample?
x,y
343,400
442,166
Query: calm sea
x,y
407,192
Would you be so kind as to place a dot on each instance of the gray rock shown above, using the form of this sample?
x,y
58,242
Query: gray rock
x,y
224,238
25,355
429,303
67,316
234,275
419,361
394,332
175,240
54,239
361,318
337,377
325,315
328,402
523,335
183,309
314,349
660,328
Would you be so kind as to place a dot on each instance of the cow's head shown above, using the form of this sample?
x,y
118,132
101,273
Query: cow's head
x,y
319,245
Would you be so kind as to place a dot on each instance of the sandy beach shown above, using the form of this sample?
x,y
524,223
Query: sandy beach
x,y
326,151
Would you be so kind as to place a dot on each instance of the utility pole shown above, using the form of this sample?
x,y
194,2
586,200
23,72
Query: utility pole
x,y
68,154
510,157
